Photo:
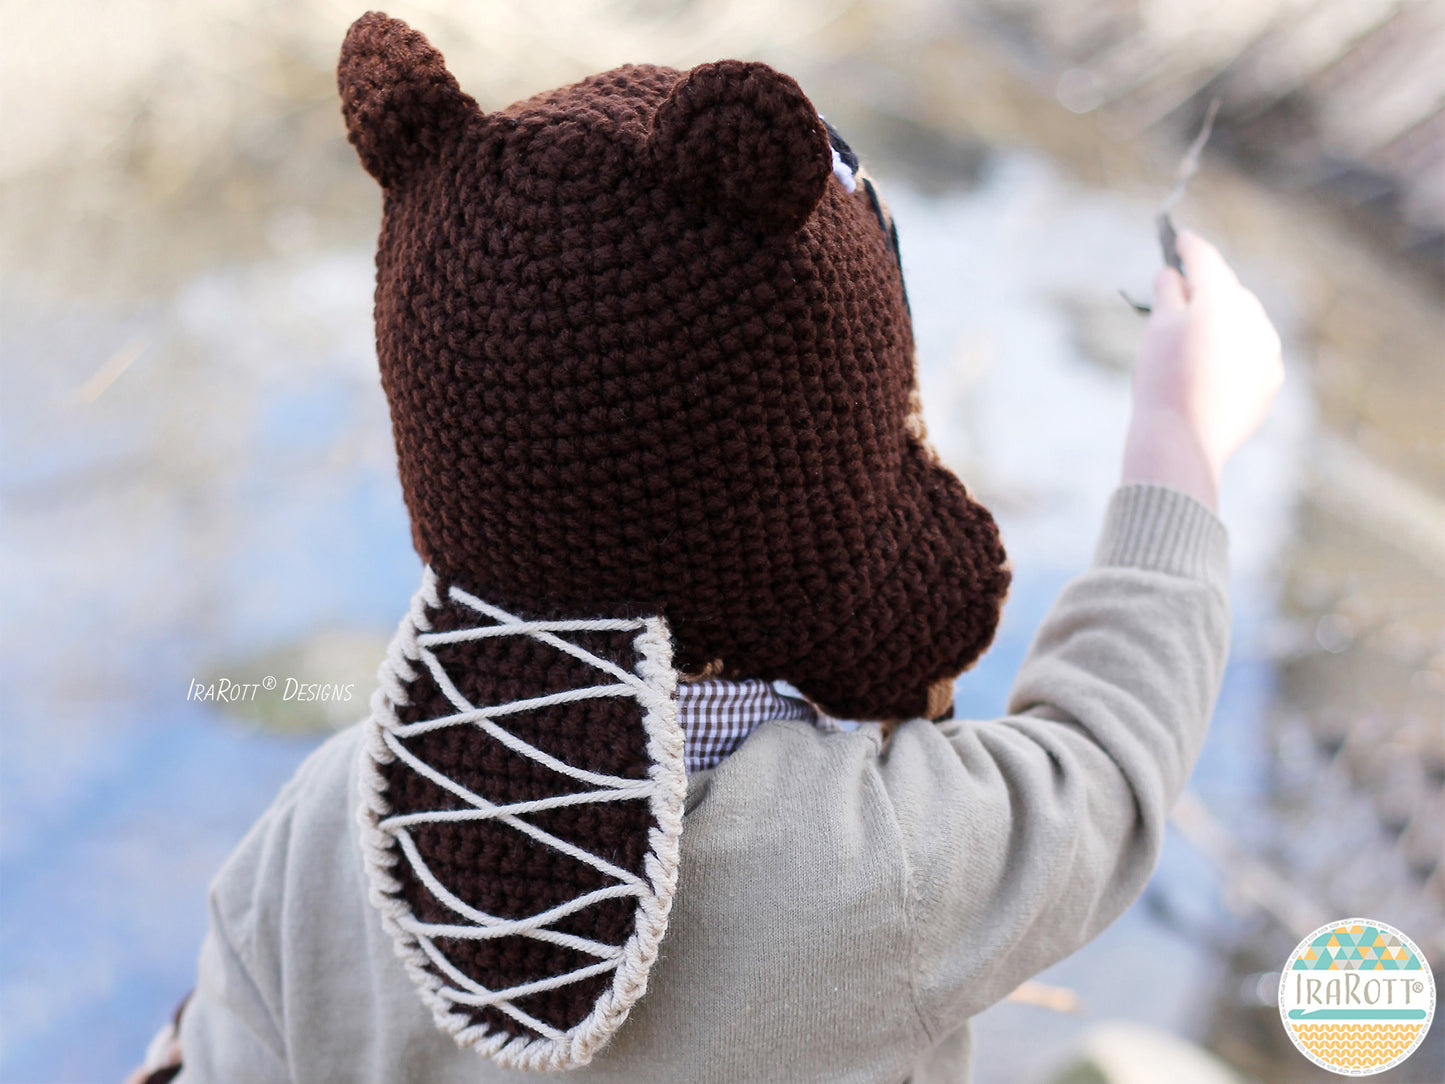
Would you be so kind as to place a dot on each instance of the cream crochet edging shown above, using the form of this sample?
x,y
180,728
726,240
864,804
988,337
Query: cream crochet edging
x,y
385,840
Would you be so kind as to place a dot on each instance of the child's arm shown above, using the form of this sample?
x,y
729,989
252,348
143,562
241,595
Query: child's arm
x,y
1027,835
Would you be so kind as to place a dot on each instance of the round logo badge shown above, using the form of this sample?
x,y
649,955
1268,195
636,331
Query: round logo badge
x,y
1356,997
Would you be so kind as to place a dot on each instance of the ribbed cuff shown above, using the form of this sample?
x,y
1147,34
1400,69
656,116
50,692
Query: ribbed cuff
x,y
1160,529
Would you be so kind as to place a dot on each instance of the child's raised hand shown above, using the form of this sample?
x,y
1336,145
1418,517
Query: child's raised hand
x,y
1209,367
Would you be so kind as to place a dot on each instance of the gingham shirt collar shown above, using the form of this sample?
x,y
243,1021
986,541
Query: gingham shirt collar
x,y
716,716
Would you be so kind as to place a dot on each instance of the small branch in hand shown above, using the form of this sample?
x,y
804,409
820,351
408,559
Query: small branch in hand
x,y
1138,306
1189,164
1169,241
1188,167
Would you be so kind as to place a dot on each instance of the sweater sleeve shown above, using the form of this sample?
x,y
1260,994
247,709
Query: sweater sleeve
x,y
1026,836
228,1031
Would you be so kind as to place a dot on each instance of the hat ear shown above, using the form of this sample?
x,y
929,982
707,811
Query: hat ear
x,y
399,100
744,138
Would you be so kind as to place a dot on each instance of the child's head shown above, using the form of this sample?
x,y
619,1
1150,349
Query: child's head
x,y
647,350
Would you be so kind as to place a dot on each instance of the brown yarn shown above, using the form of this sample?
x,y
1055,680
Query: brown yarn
x,y
495,868
645,355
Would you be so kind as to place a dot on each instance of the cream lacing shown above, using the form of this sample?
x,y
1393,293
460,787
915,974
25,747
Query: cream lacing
x,y
653,686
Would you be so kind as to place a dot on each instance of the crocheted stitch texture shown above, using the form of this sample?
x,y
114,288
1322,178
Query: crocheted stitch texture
x,y
501,871
522,788
645,354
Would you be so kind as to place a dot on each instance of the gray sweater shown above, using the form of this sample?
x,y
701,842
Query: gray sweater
x,y
844,904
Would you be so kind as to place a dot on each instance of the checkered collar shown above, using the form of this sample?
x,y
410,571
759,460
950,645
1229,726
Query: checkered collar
x,y
716,716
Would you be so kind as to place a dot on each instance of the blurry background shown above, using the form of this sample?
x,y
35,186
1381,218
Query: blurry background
x,y
197,478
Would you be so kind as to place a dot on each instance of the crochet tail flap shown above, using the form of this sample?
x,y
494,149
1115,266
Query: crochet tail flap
x,y
522,797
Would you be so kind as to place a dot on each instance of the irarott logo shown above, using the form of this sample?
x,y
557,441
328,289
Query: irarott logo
x,y
1357,997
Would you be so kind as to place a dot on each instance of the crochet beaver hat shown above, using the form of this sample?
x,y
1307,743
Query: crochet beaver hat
x,y
650,367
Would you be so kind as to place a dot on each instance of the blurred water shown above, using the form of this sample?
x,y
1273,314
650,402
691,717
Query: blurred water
x,y
232,492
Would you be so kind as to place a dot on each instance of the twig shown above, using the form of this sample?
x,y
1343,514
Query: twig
x,y
1054,998
1189,164
1141,307
1188,167
110,372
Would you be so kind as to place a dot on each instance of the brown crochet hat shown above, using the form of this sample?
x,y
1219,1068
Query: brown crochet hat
x,y
649,358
